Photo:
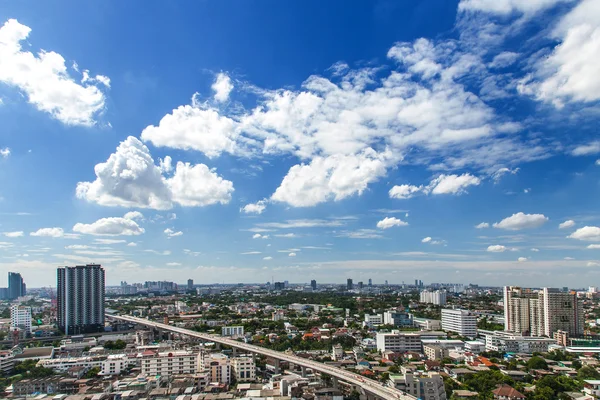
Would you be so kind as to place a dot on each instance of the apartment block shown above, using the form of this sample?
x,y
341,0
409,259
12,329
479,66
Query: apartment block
x,y
243,368
400,342
459,321
175,362
437,297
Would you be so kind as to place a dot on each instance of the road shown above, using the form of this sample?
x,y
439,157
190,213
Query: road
x,y
369,386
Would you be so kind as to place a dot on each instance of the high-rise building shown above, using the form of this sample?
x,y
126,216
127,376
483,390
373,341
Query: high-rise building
x,y
16,286
370,282
190,285
278,286
541,313
313,284
80,298
437,297
460,321
360,285
349,284
20,317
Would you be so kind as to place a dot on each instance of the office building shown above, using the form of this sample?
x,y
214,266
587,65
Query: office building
x,y
190,284
80,299
397,318
459,321
509,342
175,362
372,320
541,313
437,297
20,317
370,282
232,331
278,286
400,342
313,284
360,285
243,368
16,286
349,284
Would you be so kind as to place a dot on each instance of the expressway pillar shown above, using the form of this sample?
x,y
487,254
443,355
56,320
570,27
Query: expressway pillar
x,y
277,367
303,372
334,382
234,351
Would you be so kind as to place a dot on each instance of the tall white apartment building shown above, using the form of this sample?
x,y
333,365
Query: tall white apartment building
x,y
232,331
437,297
543,312
217,365
460,321
243,368
20,317
176,362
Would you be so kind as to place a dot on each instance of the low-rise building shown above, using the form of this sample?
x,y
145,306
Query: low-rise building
x,y
115,364
232,331
217,365
6,362
397,318
176,362
400,342
63,364
372,320
514,343
424,387
243,368
435,352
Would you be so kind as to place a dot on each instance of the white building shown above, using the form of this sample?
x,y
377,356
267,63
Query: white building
x,y
115,364
437,297
243,368
65,363
372,320
459,321
176,362
397,318
6,362
514,343
217,365
400,342
20,317
424,387
232,331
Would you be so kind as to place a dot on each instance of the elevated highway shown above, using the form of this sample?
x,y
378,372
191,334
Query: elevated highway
x,y
371,388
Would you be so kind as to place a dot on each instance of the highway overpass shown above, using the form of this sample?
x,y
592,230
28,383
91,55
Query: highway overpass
x,y
372,389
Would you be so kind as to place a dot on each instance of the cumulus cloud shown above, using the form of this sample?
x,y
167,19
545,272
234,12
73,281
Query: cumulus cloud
x,y
254,208
587,233
404,191
535,250
129,178
496,248
522,259
521,220
593,264
567,224
267,258
426,240
390,222
259,236
497,176
45,81
134,215
222,87
292,255
13,234
482,225
4,152
112,226
171,233
49,232
452,184
587,149
506,7
594,246
330,178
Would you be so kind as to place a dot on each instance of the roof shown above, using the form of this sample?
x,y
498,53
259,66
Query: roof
x,y
508,391
36,352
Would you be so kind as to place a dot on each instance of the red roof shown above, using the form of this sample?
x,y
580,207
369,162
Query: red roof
x,y
508,391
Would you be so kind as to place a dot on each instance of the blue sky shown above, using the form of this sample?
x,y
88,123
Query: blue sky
x,y
243,141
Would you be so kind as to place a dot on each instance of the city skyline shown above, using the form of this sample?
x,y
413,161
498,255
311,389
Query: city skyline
x,y
438,141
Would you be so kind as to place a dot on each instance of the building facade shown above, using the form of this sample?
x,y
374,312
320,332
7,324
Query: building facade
x,y
437,297
16,286
232,331
243,368
217,365
176,362
80,298
459,321
400,342
397,318
20,317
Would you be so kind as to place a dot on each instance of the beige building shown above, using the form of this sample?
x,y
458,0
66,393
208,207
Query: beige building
x,y
217,365
243,368
176,362
425,387
541,313
434,352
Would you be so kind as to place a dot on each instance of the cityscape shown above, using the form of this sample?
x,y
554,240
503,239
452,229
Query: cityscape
x,y
300,200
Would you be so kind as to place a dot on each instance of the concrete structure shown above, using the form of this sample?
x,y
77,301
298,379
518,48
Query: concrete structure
x,y
313,284
435,352
176,362
349,284
424,387
232,331
541,313
397,318
400,342
115,364
6,362
243,368
16,286
372,388
20,317
514,343
427,324
80,298
190,284
592,388
437,297
459,321
217,365
372,320
63,364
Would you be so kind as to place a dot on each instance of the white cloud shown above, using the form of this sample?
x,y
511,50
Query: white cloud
x,y
171,233
482,225
112,226
129,178
404,191
286,235
330,178
298,223
251,252
173,264
497,248
45,80
54,233
267,258
13,234
292,255
522,259
4,152
390,222
255,208
426,240
505,7
222,87
593,264
570,72
134,215
534,250
360,234
159,253
594,246
587,149
587,233
259,236
132,244
452,184
567,224
109,241
520,221
598,162
497,176
504,59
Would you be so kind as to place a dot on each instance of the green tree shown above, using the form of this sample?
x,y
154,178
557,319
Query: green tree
x,y
588,372
537,363
92,373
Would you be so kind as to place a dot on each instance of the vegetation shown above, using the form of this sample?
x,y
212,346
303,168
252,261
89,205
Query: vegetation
x,y
29,369
487,325
92,373
117,345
